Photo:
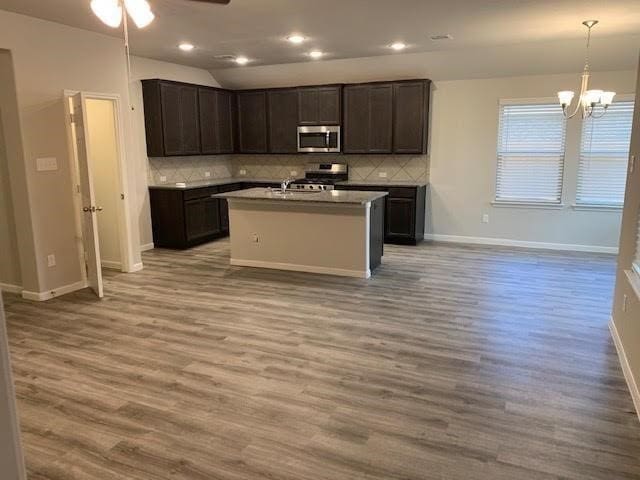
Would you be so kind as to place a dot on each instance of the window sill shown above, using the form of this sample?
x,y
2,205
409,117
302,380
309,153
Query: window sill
x,y
595,207
549,206
634,280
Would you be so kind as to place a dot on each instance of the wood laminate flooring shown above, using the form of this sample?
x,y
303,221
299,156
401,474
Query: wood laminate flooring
x,y
452,362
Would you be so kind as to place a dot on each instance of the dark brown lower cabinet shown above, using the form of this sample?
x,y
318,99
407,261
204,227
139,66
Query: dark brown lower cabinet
x,y
404,212
184,218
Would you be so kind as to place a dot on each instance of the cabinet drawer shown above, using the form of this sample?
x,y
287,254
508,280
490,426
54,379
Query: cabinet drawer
x,y
402,192
200,192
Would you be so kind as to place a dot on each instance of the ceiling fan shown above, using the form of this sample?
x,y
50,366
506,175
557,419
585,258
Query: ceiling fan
x,y
111,12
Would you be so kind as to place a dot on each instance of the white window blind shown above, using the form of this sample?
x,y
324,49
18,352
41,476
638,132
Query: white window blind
x,y
604,155
531,144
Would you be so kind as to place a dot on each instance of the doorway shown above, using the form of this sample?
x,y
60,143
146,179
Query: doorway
x,y
99,185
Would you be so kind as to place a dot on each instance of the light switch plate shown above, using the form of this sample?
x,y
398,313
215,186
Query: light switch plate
x,y
293,173
46,164
51,260
163,178
243,172
207,174
382,174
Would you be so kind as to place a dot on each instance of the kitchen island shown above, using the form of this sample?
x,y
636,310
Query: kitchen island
x,y
332,232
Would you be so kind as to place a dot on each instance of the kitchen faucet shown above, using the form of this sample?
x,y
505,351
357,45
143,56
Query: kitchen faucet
x,y
285,184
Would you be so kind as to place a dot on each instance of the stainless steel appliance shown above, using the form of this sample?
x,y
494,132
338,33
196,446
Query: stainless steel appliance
x,y
318,139
321,176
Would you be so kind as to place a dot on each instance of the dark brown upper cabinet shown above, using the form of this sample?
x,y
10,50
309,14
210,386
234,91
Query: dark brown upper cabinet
x,y
386,117
216,120
411,116
171,118
283,120
320,105
368,118
252,121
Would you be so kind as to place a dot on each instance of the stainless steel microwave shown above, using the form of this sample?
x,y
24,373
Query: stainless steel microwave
x,y
324,139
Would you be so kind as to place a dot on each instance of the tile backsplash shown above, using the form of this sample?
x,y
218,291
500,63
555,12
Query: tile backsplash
x,y
188,169
361,167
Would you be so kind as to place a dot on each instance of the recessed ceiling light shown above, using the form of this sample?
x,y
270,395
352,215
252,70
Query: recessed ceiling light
x,y
186,47
398,46
444,36
316,54
241,60
296,38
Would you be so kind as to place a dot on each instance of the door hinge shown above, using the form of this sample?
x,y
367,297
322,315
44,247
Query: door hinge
x,y
77,188
122,196
632,163
72,118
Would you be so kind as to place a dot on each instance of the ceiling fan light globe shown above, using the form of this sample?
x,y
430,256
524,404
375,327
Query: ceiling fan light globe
x,y
108,11
140,12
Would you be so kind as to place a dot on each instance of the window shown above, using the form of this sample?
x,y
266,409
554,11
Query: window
x,y
531,143
604,155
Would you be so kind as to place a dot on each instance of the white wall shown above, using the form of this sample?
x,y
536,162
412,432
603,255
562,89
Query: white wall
x,y
144,68
57,57
463,165
103,149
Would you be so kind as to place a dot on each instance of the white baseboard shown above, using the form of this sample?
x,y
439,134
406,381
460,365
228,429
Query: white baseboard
x,y
136,267
111,265
626,368
42,296
505,242
146,246
10,288
301,268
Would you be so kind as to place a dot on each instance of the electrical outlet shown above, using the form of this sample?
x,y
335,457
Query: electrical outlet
x,y
51,260
293,173
207,174
485,218
382,174
625,302
255,238
163,178
243,171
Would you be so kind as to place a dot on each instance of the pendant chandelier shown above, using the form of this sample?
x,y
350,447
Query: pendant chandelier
x,y
588,100
111,12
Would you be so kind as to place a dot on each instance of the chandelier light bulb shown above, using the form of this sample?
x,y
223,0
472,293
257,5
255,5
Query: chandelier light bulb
x,y
565,97
606,98
140,11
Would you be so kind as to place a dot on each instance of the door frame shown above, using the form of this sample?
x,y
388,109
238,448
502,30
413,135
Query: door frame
x,y
127,261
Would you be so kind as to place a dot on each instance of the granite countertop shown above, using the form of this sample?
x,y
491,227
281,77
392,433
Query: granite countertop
x,y
383,183
225,181
211,183
330,196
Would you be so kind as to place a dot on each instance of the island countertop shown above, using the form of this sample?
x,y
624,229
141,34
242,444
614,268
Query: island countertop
x,y
354,197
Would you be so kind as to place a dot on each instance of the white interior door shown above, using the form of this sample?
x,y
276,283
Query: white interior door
x,y
87,193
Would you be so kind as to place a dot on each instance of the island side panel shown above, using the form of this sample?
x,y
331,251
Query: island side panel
x,y
376,233
311,237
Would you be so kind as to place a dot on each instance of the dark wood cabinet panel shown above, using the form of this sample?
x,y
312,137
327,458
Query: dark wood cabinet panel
x,y
226,119
283,121
172,119
400,217
380,119
209,126
189,121
356,119
330,105
171,123
368,118
411,116
404,211
252,121
320,105
216,118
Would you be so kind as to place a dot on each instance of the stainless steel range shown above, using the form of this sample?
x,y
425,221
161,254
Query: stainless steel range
x,y
321,176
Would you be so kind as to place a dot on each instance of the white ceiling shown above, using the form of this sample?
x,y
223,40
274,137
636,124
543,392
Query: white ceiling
x,y
345,28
